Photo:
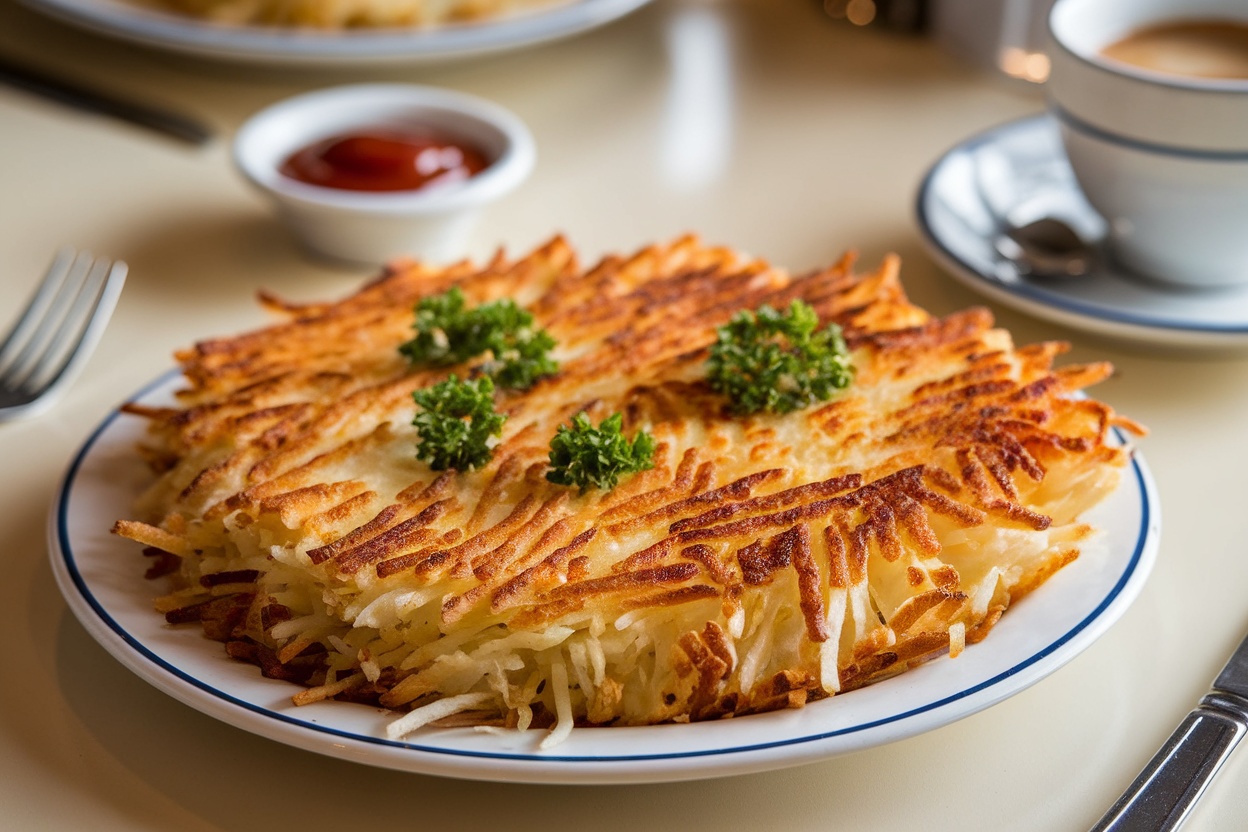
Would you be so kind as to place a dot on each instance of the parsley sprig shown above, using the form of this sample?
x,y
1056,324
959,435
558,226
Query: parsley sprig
x,y
520,361
584,455
449,332
455,423
778,361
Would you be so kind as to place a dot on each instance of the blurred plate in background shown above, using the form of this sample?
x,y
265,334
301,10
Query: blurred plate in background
x,y
300,47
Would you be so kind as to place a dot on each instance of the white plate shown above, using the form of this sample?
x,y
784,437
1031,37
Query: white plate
x,y
1018,170
149,26
101,577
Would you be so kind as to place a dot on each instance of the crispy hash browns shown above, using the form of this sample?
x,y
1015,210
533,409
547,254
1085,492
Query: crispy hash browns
x,y
763,562
347,14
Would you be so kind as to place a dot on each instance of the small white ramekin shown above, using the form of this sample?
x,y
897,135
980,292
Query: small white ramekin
x,y
431,224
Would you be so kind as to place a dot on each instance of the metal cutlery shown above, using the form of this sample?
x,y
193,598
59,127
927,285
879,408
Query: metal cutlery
x,y
57,330
173,125
1169,786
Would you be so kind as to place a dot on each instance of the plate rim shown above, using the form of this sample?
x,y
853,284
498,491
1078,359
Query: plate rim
x,y
296,47
506,766
1033,299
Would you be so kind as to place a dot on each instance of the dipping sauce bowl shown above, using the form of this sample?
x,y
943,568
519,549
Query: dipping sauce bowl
x,y
371,224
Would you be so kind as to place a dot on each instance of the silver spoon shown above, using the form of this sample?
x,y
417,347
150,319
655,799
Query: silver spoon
x,y
1046,248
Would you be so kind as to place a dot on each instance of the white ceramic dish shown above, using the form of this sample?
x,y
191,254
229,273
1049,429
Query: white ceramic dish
x,y
1019,170
148,26
432,223
101,578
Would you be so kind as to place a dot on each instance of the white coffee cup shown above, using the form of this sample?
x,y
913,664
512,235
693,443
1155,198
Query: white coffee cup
x,y
1164,157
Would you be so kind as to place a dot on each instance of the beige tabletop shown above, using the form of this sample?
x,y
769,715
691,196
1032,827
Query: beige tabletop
x,y
758,123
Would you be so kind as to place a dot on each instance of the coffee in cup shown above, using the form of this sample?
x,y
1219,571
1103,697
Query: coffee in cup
x,y
1198,48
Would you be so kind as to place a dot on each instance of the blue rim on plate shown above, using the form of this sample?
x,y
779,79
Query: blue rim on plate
x,y
146,24
957,225
707,749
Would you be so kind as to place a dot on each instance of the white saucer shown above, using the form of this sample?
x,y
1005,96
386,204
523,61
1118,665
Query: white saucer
x,y
1018,170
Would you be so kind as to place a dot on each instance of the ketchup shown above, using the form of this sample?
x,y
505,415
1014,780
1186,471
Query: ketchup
x,y
384,160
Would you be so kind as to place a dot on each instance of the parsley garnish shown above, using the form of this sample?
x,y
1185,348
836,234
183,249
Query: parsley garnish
x,y
519,363
456,422
584,455
777,361
449,333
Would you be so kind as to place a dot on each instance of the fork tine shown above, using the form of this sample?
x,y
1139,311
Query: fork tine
x,y
37,307
91,319
57,331
60,342
42,327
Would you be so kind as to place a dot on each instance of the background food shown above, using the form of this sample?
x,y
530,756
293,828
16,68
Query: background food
x,y
338,14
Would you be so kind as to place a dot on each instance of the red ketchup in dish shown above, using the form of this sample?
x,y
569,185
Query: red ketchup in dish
x,y
384,159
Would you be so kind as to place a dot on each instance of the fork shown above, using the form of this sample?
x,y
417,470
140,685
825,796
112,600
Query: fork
x,y
57,330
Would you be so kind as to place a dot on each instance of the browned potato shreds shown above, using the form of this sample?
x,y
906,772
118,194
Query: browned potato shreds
x,y
763,562
356,14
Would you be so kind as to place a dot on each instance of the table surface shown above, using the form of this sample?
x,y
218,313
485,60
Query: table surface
x,y
758,123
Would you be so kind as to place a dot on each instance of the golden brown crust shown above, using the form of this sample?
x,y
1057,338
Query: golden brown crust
x,y
353,14
761,563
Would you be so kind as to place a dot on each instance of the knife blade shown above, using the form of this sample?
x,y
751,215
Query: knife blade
x,y
170,124
1163,794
